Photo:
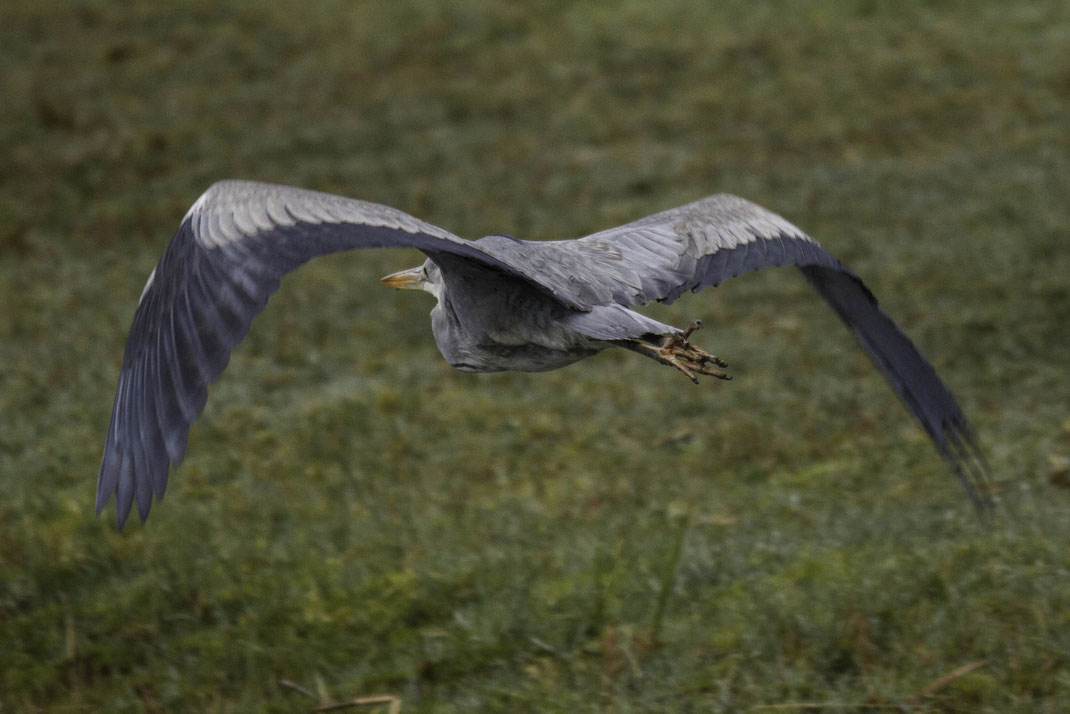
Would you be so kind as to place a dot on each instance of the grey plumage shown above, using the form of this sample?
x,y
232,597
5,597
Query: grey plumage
x,y
502,304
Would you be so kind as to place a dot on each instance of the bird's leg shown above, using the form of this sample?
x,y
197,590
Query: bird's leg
x,y
675,351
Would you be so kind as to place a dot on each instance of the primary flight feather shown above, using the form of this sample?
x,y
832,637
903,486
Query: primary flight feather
x,y
502,304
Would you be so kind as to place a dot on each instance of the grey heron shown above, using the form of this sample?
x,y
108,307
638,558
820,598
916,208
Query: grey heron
x,y
502,304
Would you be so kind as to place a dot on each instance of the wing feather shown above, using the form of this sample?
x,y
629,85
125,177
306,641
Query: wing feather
x,y
909,373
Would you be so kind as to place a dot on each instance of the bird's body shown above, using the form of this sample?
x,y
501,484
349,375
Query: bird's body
x,y
483,322
502,304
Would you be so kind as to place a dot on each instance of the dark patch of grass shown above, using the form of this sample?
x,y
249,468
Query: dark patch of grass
x,y
358,518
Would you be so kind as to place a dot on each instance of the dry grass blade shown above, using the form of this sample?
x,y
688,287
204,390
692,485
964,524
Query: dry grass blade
x,y
816,706
927,691
938,684
394,702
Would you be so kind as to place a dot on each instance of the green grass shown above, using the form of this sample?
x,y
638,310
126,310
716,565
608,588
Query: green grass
x,y
357,518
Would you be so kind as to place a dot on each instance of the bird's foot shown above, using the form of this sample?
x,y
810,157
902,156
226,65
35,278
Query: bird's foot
x,y
675,351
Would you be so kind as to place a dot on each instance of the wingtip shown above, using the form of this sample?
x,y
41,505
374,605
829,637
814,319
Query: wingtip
x,y
964,453
106,479
103,499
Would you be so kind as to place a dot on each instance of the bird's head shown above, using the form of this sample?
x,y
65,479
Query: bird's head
x,y
426,277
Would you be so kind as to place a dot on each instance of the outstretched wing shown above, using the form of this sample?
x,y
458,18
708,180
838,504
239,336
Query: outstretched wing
x,y
662,256
228,256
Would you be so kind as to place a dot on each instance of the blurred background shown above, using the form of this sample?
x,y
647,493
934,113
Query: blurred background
x,y
354,517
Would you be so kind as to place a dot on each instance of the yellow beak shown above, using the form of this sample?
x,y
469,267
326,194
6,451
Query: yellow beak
x,y
411,279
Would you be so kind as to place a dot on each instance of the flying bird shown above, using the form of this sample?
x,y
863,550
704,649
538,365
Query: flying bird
x,y
502,304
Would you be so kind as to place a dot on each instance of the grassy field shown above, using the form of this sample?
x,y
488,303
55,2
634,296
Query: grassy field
x,y
356,518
